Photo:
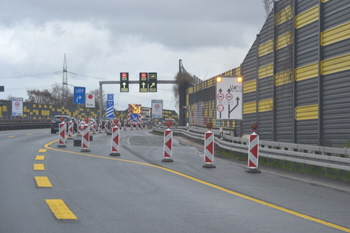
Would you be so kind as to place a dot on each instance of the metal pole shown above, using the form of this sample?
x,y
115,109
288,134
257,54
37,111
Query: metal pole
x,y
101,109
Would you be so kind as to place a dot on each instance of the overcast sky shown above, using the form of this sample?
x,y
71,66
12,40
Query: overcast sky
x,y
103,38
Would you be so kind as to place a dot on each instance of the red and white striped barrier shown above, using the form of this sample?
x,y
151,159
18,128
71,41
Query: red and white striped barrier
x,y
79,128
62,134
209,148
106,126
115,141
253,151
100,127
94,127
85,139
168,145
124,125
70,130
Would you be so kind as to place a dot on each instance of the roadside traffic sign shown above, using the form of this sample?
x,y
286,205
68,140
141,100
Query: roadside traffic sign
x,y
229,98
134,117
110,106
79,95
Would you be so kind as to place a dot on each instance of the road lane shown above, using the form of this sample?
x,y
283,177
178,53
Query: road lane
x,y
136,192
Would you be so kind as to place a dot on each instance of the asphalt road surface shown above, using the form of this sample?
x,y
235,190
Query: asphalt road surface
x,y
45,188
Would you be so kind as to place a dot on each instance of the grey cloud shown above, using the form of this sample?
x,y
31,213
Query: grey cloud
x,y
176,24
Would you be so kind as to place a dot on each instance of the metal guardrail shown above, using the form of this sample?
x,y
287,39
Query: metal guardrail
x,y
12,124
329,157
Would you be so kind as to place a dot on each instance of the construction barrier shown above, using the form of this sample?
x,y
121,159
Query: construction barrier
x,y
209,148
115,141
79,128
106,126
94,127
85,139
62,134
253,151
100,127
168,144
70,130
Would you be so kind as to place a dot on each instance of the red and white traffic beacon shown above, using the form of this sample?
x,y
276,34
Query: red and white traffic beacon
x,y
209,148
115,139
168,143
253,151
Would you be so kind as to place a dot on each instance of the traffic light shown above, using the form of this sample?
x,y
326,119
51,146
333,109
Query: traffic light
x,y
152,80
124,82
143,84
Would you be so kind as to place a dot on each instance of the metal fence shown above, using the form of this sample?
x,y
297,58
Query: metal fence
x,y
329,157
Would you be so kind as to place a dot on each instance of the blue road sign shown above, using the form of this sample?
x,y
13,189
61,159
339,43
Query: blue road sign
x,y
79,95
110,106
134,117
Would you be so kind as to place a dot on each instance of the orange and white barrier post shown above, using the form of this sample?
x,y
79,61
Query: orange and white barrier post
x,y
62,134
209,148
168,144
253,151
125,125
115,139
85,139
70,130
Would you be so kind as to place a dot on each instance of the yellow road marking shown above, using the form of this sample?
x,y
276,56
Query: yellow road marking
x,y
43,182
40,157
329,224
39,167
60,209
42,150
11,136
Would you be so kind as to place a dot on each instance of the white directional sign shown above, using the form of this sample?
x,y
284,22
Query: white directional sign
x,y
90,101
17,106
229,98
157,109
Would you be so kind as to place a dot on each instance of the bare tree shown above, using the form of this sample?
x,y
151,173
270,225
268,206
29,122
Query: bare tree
x,y
182,80
53,96
268,5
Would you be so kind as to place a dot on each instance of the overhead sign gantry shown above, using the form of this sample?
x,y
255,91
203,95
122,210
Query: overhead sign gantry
x,y
150,85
